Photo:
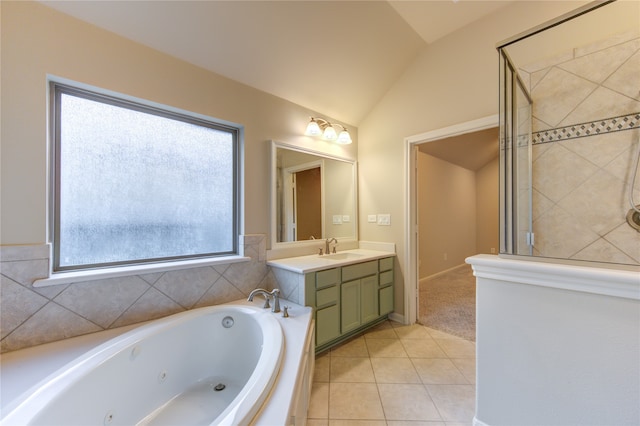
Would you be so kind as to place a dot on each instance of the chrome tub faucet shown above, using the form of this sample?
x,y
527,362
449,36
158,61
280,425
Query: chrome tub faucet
x,y
275,293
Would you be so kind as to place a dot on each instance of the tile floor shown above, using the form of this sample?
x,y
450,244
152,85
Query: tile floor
x,y
395,375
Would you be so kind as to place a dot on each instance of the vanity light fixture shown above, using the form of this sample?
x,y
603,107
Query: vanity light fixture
x,y
320,126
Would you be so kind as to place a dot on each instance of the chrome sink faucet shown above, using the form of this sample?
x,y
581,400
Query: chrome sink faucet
x,y
327,246
275,293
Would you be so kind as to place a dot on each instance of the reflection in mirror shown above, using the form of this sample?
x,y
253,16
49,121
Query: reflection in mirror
x,y
313,195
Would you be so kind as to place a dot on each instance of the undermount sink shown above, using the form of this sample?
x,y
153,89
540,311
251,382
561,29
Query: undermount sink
x,y
342,256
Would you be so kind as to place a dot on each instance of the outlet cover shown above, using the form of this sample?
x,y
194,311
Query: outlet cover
x,y
384,219
372,218
346,218
337,219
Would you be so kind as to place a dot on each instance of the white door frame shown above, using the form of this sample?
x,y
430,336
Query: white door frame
x,y
411,219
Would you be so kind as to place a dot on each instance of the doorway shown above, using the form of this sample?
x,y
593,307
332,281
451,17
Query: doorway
x,y
458,217
303,201
450,242
308,208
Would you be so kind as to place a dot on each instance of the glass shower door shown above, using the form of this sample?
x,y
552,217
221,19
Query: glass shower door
x,y
515,162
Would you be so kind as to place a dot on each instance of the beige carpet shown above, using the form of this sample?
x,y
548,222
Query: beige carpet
x,y
448,303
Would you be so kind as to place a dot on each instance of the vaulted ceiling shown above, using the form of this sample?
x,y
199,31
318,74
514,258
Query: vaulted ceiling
x,y
335,57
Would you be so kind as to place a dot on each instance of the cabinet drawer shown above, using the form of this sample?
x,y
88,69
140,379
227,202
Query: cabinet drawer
x,y
386,264
327,278
386,278
359,270
327,296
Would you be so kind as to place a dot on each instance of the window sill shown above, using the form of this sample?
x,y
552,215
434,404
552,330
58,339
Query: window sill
x,y
122,271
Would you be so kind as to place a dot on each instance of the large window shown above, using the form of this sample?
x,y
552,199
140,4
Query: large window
x,y
134,183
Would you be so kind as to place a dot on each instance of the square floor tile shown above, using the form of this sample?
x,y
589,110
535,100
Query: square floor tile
x,y
384,332
351,370
357,422
438,372
454,402
321,369
423,348
385,348
394,370
355,347
437,334
467,367
319,401
457,348
317,422
355,401
407,402
414,331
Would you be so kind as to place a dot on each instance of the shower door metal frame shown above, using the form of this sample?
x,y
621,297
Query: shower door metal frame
x,y
511,140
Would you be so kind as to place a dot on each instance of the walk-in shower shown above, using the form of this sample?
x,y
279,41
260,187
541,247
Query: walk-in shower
x,y
633,215
570,136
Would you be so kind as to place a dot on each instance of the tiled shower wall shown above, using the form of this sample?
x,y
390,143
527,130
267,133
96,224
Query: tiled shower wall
x,y
30,316
586,131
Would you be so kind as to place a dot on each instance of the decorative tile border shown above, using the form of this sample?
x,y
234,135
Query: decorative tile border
x,y
608,125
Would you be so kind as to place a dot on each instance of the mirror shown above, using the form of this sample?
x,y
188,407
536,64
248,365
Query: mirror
x,y
313,195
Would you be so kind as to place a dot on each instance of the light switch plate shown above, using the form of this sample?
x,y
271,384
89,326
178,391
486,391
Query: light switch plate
x,y
384,219
346,218
372,218
337,219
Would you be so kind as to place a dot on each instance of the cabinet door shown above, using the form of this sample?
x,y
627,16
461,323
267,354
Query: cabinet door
x,y
350,305
386,300
327,324
369,298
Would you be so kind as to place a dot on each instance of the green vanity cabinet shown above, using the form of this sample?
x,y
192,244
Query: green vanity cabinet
x,y
349,299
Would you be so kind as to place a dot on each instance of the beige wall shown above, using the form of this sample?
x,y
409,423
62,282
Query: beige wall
x,y
488,208
446,214
38,41
453,81
457,213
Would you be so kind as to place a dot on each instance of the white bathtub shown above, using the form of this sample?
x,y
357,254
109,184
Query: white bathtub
x,y
166,373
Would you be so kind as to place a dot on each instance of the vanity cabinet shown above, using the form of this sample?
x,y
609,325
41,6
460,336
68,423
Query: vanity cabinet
x,y
349,299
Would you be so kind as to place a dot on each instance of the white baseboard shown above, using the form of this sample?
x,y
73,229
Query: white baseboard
x,y
437,274
477,422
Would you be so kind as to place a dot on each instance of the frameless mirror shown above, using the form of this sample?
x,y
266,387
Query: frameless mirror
x,y
313,195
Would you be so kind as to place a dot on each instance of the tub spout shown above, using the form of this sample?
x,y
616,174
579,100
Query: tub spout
x,y
263,292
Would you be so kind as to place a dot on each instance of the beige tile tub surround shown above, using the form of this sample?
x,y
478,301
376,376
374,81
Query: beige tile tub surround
x,y
581,184
395,375
31,316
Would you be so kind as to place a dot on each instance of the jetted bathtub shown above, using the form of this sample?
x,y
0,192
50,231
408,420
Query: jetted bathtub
x,y
212,365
